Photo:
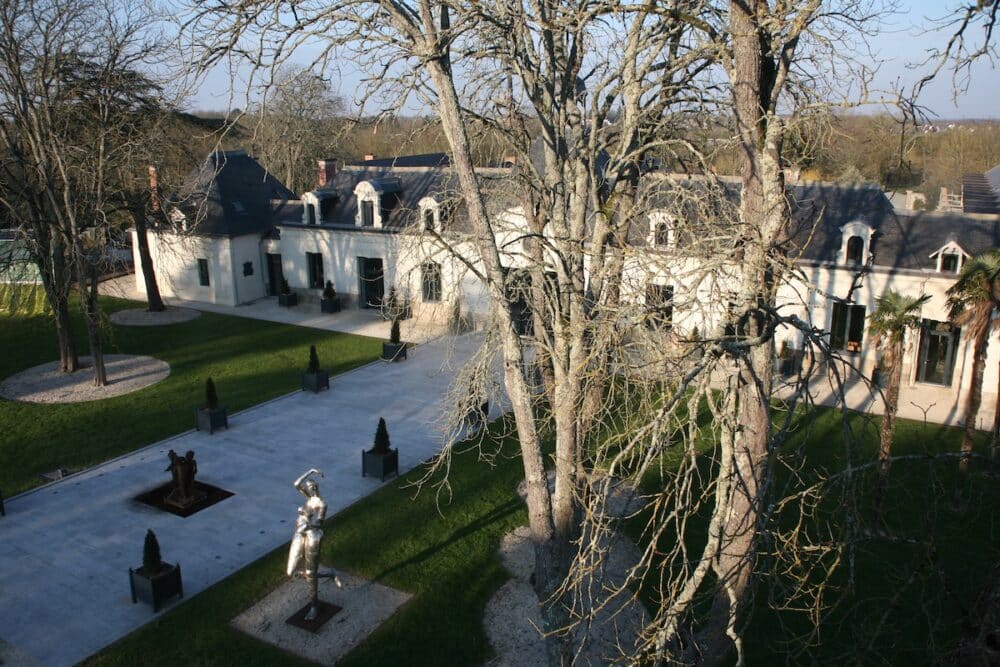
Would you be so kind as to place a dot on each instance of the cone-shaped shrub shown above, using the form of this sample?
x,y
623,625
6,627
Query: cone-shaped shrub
x,y
313,360
381,445
328,291
285,289
392,304
211,398
151,560
394,331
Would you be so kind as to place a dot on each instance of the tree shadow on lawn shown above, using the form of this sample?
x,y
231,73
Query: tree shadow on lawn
x,y
503,511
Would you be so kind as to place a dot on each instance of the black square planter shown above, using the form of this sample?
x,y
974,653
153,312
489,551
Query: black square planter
x,y
158,588
380,465
212,420
288,300
315,381
393,351
329,305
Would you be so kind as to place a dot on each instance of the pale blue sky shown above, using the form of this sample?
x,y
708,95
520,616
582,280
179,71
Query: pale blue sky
x,y
903,44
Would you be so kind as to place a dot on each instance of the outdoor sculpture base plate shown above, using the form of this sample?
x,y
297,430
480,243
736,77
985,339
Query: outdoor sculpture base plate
x,y
326,612
208,494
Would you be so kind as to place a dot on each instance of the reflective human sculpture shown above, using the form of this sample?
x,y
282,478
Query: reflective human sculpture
x,y
303,553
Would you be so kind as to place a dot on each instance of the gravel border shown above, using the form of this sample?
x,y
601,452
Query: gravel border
x,y
140,317
45,384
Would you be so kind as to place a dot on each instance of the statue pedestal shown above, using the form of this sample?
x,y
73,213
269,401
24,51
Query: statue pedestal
x,y
197,496
325,611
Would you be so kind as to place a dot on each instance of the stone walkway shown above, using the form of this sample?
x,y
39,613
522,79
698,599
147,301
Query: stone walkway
x,y
65,548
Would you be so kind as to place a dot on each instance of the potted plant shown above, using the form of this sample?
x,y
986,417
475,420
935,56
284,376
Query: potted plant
x,y
459,322
211,417
396,307
330,303
155,581
287,298
394,350
380,460
315,378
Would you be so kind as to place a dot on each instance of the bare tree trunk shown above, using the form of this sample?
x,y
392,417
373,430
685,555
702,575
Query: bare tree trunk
x,y
972,403
755,78
893,361
995,437
87,278
153,299
55,282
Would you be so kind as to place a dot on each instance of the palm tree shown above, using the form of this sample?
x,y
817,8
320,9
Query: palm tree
x,y
971,301
894,315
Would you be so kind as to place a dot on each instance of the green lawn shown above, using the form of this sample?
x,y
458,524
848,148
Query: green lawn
x,y
250,361
447,560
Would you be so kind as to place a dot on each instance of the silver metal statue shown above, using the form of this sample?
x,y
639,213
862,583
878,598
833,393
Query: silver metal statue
x,y
303,553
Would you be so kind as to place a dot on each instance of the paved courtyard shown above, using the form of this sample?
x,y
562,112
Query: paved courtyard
x,y
65,548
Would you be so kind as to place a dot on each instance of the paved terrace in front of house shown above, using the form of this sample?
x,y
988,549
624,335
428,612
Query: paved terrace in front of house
x,y
65,548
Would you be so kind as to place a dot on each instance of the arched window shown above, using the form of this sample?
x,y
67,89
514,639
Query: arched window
x,y
661,235
310,214
855,250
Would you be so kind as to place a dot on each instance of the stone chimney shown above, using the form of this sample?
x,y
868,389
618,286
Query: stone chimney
x,y
154,189
327,170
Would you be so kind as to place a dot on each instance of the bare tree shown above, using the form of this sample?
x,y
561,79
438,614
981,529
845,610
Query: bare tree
x,y
75,101
296,125
586,94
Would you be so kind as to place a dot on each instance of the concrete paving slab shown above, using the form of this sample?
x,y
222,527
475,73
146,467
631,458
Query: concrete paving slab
x,y
66,547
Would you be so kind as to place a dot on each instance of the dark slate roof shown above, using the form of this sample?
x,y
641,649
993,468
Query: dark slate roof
x,y
231,194
978,195
424,160
819,210
993,178
409,186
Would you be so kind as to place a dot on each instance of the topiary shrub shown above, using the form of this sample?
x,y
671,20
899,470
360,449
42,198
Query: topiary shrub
x,y
328,291
285,289
313,360
211,398
152,562
392,304
394,332
381,445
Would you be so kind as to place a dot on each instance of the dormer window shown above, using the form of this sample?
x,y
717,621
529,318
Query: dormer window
x,y
661,230
430,214
856,244
310,214
950,258
367,213
377,197
855,250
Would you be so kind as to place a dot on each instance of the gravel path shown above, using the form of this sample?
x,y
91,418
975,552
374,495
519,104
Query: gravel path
x,y
45,384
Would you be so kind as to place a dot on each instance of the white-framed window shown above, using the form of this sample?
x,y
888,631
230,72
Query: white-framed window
x,y
430,214
855,246
937,352
430,282
369,206
950,258
661,230
847,327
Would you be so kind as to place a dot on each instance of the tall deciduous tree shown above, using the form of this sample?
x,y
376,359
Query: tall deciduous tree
x,y
584,94
74,102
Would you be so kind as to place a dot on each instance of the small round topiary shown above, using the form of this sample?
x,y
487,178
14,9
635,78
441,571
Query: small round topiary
x,y
152,562
313,360
211,398
381,445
